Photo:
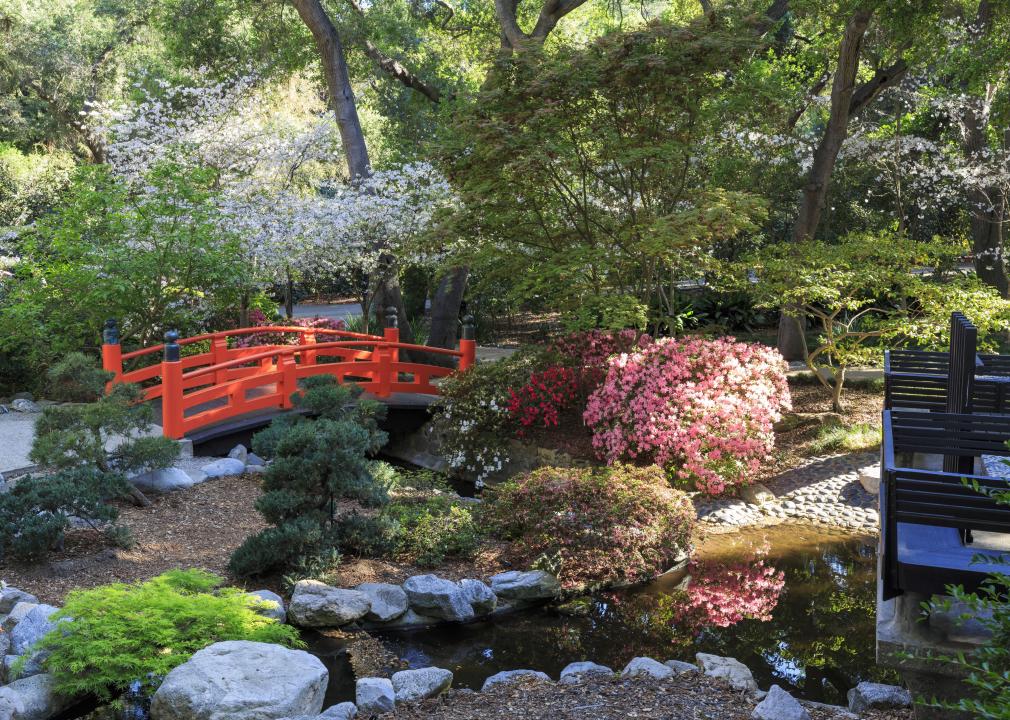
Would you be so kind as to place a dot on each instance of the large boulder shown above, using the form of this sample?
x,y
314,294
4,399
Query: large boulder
x,y
373,696
240,453
437,597
16,615
32,698
11,596
509,676
646,666
342,711
223,468
730,669
876,696
164,480
576,672
31,628
481,598
680,667
271,605
316,604
525,586
388,601
242,680
779,705
422,683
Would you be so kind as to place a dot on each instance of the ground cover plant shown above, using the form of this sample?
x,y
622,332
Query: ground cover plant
x,y
113,636
592,526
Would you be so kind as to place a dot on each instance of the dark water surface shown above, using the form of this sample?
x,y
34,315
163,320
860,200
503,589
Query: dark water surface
x,y
793,604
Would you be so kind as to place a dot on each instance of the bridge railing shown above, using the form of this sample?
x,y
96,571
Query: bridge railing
x,y
224,382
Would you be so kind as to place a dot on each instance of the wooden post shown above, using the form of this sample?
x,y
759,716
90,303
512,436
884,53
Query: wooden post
x,y
289,380
468,344
171,382
218,355
112,353
308,338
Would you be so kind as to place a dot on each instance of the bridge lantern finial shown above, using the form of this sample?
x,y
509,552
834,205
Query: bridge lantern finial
x,y
392,317
469,328
172,346
110,333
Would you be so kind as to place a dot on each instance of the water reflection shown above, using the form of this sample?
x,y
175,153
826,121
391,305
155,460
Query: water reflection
x,y
796,606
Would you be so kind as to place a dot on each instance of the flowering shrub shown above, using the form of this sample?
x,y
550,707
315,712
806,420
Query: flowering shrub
x,y
471,418
600,526
542,399
704,409
721,594
258,319
592,348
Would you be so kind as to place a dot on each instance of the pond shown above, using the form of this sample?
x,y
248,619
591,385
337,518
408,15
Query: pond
x,y
795,605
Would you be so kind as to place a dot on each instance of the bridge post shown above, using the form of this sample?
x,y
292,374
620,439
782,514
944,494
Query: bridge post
x,y
112,353
392,332
218,355
308,338
468,343
171,383
289,380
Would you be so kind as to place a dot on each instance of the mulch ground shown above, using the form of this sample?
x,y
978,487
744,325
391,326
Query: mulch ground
x,y
198,527
684,697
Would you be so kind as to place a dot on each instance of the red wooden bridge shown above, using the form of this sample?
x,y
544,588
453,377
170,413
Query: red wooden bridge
x,y
207,379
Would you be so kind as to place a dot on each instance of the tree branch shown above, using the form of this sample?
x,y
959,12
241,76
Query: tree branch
x,y
883,79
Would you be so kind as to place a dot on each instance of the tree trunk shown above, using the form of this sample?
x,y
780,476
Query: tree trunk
x,y
792,341
816,189
444,332
338,82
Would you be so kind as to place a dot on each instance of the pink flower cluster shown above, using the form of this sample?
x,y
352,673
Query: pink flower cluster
x,y
703,409
257,319
542,399
592,348
721,595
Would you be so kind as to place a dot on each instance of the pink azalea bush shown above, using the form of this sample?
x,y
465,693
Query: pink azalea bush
x,y
596,526
258,319
592,348
703,409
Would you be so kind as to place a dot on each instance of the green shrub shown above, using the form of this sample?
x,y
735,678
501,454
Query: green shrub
x,y
317,460
121,633
601,526
76,378
35,513
437,536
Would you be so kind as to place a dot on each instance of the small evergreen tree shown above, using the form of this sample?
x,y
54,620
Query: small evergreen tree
x,y
318,458
87,452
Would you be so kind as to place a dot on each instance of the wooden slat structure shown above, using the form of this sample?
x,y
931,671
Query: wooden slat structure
x,y
950,405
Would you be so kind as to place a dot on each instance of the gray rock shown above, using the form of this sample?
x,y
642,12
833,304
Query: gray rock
x,y
646,666
32,627
273,605
16,615
223,468
869,478
507,676
756,494
11,596
255,469
163,480
481,598
374,696
241,680
388,601
528,586
437,597
240,453
730,669
256,461
31,698
315,604
342,711
779,705
422,683
412,619
876,696
578,671
23,395
680,667
23,405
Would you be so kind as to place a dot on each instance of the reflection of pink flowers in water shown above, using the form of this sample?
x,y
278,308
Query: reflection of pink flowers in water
x,y
722,595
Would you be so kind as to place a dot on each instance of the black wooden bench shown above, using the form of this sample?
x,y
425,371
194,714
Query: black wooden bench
x,y
928,516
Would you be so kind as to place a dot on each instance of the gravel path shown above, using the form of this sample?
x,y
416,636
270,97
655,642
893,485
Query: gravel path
x,y
823,491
